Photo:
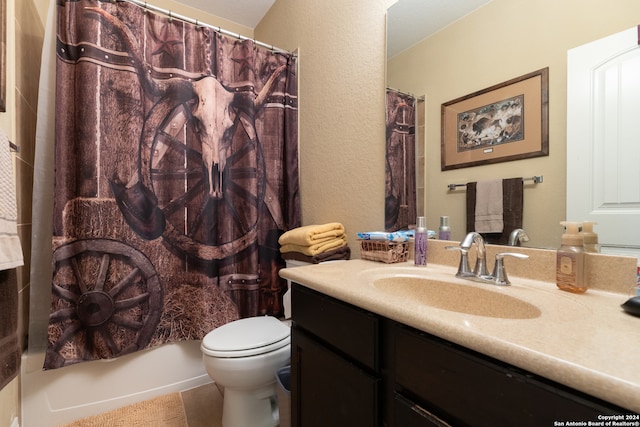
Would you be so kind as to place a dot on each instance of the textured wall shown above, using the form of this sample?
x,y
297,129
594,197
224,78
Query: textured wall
x,y
342,62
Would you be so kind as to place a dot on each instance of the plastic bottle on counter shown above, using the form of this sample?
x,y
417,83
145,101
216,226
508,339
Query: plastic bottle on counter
x,y
444,232
589,237
421,237
570,260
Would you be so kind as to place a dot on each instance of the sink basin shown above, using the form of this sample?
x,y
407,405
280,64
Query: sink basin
x,y
458,297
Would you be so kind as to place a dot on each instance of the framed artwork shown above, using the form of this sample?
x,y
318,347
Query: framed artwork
x,y
505,122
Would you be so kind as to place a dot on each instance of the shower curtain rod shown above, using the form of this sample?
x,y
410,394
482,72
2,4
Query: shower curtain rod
x,y
197,23
418,98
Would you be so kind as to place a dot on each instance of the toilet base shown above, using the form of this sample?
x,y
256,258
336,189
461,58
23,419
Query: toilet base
x,y
258,408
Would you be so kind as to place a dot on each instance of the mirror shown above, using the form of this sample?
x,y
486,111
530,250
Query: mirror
x,y
459,52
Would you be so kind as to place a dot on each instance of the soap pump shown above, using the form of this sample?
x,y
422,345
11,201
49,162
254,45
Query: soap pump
x,y
570,260
590,238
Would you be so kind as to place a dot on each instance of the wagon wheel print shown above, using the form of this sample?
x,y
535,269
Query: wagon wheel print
x,y
106,298
202,226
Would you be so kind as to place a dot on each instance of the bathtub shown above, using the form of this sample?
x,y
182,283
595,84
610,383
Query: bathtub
x,y
51,398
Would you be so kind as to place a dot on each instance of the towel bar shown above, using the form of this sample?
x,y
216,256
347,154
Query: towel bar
x,y
536,180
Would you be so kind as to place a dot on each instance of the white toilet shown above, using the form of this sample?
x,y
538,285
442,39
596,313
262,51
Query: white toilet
x,y
242,356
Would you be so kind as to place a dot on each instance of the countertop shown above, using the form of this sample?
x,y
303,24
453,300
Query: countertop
x,y
584,341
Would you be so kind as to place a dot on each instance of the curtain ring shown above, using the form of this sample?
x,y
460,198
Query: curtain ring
x,y
170,17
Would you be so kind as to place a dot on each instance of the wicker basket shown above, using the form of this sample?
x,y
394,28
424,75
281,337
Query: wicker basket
x,y
384,251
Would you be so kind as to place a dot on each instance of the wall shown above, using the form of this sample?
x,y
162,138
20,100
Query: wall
x,y
341,66
500,41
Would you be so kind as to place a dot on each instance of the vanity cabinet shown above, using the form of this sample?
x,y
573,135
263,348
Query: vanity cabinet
x,y
353,368
335,366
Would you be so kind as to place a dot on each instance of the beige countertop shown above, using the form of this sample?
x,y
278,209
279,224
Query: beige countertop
x,y
584,341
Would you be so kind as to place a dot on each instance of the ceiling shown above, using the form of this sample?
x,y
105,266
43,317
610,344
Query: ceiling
x,y
409,21
243,12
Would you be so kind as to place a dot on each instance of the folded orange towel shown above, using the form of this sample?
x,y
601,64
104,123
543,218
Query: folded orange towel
x,y
312,234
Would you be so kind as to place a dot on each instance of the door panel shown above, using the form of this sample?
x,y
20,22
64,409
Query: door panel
x,y
603,141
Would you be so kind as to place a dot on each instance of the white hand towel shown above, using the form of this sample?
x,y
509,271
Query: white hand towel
x,y
489,215
10,248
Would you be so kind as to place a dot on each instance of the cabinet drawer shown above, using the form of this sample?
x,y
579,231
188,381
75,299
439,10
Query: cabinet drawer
x,y
466,388
347,329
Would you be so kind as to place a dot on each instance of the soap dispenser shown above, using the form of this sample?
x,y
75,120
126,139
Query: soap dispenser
x,y
570,260
589,237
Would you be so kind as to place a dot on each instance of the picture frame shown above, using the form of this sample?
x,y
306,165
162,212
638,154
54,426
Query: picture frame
x,y
505,122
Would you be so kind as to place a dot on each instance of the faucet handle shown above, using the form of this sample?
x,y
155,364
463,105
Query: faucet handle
x,y
499,270
463,268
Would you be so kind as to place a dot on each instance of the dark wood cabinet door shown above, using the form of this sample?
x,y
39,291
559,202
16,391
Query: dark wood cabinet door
x,y
328,390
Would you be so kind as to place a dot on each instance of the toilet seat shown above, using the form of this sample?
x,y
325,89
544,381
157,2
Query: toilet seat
x,y
251,336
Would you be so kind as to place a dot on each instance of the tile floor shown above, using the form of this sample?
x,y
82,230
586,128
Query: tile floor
x,y
203,406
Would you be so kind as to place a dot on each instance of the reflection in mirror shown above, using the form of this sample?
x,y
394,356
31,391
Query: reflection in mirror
x,y
409,21
400,165
447,64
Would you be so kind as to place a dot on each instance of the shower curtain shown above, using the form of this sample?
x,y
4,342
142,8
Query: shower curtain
x,y
400,165
175,174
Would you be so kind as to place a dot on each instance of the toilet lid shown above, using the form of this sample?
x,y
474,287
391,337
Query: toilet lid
x,y
246,337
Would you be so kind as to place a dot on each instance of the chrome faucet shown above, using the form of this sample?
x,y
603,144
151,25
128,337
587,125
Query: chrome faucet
x,y
480,273
517,236
480,269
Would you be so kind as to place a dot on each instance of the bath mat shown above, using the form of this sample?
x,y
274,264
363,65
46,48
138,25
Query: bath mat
x,y
165,411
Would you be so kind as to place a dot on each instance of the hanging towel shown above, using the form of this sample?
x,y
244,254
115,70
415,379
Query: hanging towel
x,y
489,207
512,209
312,234
10,248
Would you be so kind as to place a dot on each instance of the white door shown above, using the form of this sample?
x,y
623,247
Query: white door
x,y
603,139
